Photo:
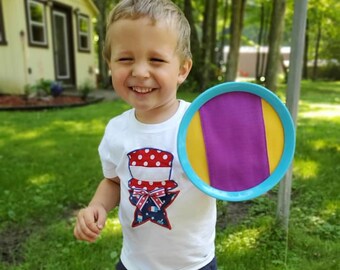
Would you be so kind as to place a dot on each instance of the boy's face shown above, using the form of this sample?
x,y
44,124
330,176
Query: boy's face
x,y
145,67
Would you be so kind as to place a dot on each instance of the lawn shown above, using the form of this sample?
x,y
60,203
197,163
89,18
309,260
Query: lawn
x,y
50,168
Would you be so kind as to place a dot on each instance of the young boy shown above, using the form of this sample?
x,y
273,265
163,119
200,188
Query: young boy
x,y
167,223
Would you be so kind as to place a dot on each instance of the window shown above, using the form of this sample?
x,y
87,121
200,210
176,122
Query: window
x,y
83,33
2,27
36,20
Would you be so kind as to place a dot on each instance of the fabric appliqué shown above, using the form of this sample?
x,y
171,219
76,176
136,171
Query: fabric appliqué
x,y
151,189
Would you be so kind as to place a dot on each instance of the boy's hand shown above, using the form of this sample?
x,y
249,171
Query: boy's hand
x,y
90,222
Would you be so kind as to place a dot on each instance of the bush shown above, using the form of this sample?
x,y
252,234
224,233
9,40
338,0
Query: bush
x,y
85,89
43,88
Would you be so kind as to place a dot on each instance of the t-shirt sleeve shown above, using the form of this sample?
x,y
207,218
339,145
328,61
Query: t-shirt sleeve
x,y
105,154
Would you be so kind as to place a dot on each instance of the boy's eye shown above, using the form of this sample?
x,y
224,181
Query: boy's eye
x,y
125,59
157,60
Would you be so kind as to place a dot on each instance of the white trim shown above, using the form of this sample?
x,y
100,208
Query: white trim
x,y
83,34
66,44
32,23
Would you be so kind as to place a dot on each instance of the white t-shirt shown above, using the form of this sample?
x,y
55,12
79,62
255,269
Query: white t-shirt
x,y
167,222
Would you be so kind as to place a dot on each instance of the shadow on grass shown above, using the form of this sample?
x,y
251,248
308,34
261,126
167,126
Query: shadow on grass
x,y
49,168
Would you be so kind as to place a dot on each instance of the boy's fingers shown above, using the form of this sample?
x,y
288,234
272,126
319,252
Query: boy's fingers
x,y
86,228
83,233
90,224
101,219
82,236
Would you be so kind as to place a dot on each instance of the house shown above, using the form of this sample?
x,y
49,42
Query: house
x,y
46,39
248,59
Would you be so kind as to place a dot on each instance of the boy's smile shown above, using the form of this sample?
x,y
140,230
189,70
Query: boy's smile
x,y
141,90
146,68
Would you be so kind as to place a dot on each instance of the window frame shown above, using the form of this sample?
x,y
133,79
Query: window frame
x,y
31,23
81,34
3,40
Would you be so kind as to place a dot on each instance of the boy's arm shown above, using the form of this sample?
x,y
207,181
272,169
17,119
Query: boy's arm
x,y
107,194
91,220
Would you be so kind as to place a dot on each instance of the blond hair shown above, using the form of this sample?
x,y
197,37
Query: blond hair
x,y
156,10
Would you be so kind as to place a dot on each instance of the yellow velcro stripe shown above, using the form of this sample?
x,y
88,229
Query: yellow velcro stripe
x,y
274,135
196,149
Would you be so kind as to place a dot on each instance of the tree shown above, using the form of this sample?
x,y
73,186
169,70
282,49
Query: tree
x,y
194,43
236,25
104,6
220,57
323,36
274,43
317,48
208,41
261,41
305,53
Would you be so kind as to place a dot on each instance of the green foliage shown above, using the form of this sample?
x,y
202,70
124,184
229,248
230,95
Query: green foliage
x,y
43,88
50,169
330,71
86,88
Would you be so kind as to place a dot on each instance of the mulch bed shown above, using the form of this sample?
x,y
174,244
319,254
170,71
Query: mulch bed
x,y
17,102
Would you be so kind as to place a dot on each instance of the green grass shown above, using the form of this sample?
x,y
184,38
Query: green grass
x,y
50,168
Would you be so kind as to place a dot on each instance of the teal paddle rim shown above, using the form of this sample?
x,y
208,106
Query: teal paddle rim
x,y
288,146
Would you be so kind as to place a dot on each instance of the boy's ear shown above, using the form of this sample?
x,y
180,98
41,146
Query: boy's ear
x,y
110,77
184,71
108,64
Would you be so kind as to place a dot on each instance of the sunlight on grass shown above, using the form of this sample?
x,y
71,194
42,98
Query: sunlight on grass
x,y
22,134
47,143
6,132
42,179
319,144
112,226
28,135
306,169
332,209
322,110
35,136
239,241
77,126
324,145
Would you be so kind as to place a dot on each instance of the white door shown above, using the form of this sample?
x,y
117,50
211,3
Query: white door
x,y
63,49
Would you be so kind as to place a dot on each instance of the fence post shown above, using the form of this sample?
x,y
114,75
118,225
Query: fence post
x,y
292,102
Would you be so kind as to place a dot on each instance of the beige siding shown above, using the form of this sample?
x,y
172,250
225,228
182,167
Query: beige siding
x,y
12,55
21,64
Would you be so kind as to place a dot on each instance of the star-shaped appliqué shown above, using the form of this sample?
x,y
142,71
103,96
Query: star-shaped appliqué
x,y
153,208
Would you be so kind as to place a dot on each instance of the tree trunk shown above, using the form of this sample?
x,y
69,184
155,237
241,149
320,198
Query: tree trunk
x,y
213,33
223,34
195,45
305,53
262,37
316,55
236,25
275,37
103,79
267,18
208,41
258,75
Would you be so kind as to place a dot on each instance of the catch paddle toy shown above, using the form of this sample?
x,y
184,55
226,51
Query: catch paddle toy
x,y
236,141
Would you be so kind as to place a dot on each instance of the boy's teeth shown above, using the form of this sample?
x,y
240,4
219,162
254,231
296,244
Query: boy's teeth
x,y
141,89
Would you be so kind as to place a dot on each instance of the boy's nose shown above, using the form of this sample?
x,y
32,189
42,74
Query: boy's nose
x,y
140,70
